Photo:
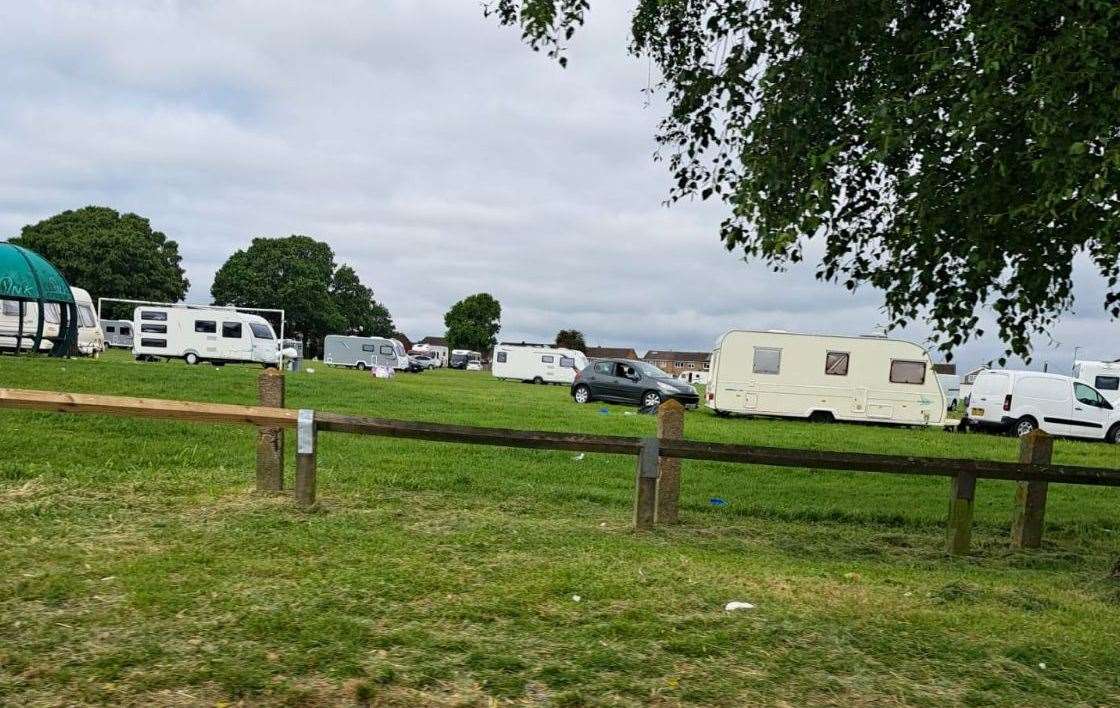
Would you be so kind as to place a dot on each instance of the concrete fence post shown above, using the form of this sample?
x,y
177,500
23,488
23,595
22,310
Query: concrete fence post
x,y
1035,448
307,444
645,494
270,441
670,426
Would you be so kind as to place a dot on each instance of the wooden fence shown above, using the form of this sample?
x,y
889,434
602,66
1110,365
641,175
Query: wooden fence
x,y
658,468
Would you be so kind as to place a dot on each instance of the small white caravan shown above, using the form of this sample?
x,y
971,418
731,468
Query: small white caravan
x,y
218,335
866,379
364,352
694,377
1101,375
951,387
1021,401
118,333
538,365
967,380
91,340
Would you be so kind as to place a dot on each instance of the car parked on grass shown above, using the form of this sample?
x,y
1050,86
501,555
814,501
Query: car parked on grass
x,y
630,381
423,361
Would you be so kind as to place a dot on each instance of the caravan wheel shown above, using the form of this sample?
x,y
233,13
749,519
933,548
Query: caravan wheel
x,y
191,358
361,366
538,380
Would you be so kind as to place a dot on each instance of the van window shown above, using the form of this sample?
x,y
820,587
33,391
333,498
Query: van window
x,y
153,328
605,368
1088,396
1042,388
387,350
767,360
369,348
908,372
1107,383
567,362
261,331
11,308
157,343
836,363
548,359
153,316
231,330
206,326
85,316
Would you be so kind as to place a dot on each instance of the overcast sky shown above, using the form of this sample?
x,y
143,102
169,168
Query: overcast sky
x,y
430,148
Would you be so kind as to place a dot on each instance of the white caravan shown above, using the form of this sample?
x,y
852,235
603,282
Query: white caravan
x,y
460,358
364,352
968,380
118,333
1101,375
951,387
439,354
1020,401
537,364
91,340
219,335
866,379
694,377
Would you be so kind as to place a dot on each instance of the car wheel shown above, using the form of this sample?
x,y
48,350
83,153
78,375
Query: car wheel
x,y
582,394
361,366
651,398
1113,436
1025,426
191,358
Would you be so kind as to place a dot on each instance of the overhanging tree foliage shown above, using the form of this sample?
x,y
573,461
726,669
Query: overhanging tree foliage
x,y
955,154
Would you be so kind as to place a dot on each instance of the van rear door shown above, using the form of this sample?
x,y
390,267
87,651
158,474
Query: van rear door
x,y
988,396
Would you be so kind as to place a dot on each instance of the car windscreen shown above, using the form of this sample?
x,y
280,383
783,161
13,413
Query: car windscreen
x,y
651,371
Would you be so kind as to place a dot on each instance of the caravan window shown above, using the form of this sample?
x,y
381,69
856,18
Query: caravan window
x,y
1107,383
231,330
11,308
110,329
387,350
836,363
85,316
567,362
206,326
261,331
908,372
153,328
547,359
52,313
125,331
502,356
767,360
154,316
157,343
369,348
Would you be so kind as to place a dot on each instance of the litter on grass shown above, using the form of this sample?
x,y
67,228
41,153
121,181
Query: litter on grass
x,y
736,605
716,501
579,457
576,598
604,411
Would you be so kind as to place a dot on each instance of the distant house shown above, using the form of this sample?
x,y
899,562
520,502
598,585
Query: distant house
x,y
404,340
611,353
434,341
675,363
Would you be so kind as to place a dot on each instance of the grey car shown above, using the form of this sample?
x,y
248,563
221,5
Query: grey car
x,y
629,381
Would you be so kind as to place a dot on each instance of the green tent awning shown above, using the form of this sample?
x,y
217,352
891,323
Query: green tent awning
x,y
25,275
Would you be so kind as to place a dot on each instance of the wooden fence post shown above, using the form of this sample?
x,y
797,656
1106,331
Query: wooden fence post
x,y
962,491
306,450
270,441
1035,448
645,496
670,426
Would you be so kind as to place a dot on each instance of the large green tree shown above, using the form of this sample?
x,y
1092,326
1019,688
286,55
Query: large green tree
x,y
473,323
571,339
109,254
298,274
955,154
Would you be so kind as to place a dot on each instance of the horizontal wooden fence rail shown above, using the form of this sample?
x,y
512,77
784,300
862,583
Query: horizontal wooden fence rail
x,y
1033,472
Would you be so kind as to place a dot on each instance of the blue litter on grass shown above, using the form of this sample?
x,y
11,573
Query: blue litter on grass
x,y
716,501
604,411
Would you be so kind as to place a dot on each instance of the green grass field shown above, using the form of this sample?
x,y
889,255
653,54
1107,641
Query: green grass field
x,y
138,567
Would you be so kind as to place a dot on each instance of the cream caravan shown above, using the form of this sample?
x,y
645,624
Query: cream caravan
x,y
90,340
216,334
540,365
866,379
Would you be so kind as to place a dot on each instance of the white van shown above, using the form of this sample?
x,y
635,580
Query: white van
x,y
1101,375
219,335
538,365
364,352
866,379
1020,401
91,340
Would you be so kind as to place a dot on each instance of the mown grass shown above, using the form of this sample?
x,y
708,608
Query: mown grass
x,y
138,567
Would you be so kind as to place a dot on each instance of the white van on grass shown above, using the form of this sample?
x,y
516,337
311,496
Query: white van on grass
x,y
1101,375
1021,401
537,365
820,377
364,352
219,335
